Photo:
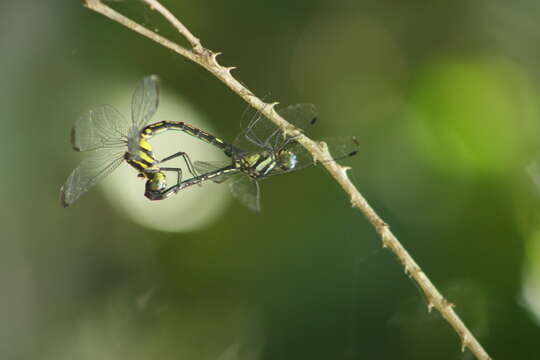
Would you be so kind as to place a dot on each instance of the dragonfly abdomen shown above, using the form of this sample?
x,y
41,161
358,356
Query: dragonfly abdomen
x,y
159,127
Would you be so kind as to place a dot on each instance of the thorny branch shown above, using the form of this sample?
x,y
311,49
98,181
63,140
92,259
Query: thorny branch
x,y
207,59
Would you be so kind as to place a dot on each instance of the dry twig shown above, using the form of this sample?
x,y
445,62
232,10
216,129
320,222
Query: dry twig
x,y
207,59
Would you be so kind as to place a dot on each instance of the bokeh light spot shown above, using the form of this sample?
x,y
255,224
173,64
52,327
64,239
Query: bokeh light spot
x,y
473,114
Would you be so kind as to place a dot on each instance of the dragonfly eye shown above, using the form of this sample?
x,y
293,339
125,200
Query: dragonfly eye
x,y
287,160
156,183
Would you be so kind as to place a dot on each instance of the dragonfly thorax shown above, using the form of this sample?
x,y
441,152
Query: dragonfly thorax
x,y
140,156
265,163
256,165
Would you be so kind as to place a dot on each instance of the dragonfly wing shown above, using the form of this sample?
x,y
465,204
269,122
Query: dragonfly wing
x,y
144,102
302,116
90,171
203,167
255,129
260,132
102,127
246,190
339,147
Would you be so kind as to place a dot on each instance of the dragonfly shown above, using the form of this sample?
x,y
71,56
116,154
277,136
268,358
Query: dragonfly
x,y
261,151
109,139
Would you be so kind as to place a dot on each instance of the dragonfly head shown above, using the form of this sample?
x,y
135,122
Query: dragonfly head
x,y
286,160
156,183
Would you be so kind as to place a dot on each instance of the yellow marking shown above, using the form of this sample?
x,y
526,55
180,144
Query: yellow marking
x,y
266,162
145,145
251,159
158,124
145,157
159,176
142,165
218,140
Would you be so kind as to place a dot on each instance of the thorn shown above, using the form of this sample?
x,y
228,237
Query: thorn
x,y
430,306
385,245
273,105
464,343
447,303
230,68
323,146
405,269
345,169
88,3
356,202
214,56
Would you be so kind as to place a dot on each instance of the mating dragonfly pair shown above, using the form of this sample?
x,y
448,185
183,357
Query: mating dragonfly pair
x,y
261,150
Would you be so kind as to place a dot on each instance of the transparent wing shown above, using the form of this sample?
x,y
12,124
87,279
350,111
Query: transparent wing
x,y
300,115
102,127
203,167
145,101
90,171
246,190
259,132
339,147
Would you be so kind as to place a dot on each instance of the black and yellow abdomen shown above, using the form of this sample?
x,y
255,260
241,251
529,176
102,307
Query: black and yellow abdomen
x,y
140,155
159,127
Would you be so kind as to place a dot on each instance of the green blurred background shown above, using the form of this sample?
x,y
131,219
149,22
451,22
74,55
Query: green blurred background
x,y
443,97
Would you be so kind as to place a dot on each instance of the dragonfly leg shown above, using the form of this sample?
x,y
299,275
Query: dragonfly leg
x,y
289,140
186,158
275,136
250,134
178,172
